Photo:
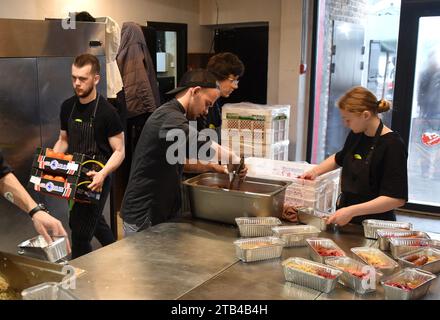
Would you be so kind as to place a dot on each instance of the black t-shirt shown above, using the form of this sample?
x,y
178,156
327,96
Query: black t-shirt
x,y
154,187
107,122
388,171
4,167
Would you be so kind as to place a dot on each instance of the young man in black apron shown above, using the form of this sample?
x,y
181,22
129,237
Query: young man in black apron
x,y
90,125
374,177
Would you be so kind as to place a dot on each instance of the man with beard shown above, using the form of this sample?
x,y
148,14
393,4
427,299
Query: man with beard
x,y
153,194
90,125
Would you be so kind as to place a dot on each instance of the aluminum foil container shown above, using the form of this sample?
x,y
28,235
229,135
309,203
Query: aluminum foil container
x,y
257,249
420,278
295,236
384,236
314,243
313,217
433,267
400,246
358,276
257,226
371,226
47,291
310,279
38,248
376,258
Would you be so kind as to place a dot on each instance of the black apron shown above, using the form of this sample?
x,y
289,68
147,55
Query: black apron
x,y
356,186
81,136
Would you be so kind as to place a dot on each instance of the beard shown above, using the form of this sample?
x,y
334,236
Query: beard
x,y
85,93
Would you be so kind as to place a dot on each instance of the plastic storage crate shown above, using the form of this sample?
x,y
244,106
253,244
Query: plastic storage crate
x,y
253,123
320,194
276,151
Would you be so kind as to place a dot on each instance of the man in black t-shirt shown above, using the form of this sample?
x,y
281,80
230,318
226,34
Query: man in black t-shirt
x,y
91,126
154,189
13,191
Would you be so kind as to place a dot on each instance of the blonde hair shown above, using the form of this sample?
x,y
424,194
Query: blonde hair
x,y
360,99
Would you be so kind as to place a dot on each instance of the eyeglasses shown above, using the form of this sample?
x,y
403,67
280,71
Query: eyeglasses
x,y
234,81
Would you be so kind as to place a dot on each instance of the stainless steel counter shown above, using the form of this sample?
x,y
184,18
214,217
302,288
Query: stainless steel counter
x,y
194,259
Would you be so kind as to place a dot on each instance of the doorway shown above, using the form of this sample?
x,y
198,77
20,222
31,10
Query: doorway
x,y
170,54
251,45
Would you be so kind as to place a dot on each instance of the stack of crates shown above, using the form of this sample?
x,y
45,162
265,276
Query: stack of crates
x,y
320,194
253,130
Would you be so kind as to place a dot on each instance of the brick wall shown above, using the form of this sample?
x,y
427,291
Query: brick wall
x,y
352,11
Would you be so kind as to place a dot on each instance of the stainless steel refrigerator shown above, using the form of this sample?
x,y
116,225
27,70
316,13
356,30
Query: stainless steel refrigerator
x,y
35,78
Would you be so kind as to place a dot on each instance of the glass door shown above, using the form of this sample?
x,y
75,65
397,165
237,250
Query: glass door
x,y
417,109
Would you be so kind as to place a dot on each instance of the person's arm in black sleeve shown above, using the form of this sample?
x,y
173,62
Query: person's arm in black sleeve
x,y
44,223
394,183
115,137
62,143
4,167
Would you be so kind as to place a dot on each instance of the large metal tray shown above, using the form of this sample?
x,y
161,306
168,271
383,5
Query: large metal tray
x,y
294,274
409,274
433,266
366,279
38,248
371,226
257,249
384,264
48,291
295,236
400,246
325,243
384,236
256,226
210,199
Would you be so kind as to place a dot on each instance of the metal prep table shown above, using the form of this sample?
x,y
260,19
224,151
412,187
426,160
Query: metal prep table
x,y
195,259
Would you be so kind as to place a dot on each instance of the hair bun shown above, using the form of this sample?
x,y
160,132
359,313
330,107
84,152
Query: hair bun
x,y
383,106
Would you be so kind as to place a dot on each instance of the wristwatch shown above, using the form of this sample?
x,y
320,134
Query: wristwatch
x,y
39,207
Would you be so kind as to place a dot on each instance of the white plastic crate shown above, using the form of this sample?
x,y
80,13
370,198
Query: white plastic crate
x,y
320,194
260,124
276,151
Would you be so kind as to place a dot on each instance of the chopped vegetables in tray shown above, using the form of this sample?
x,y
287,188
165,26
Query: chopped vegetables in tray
x,y
328,252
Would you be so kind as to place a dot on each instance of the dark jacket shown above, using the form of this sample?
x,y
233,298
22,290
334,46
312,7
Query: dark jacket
x,y
137,70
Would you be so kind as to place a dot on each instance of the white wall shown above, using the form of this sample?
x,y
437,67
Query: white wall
x,y
178,11
284,17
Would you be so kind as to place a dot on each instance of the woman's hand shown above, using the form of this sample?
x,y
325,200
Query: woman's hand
x,y
341,217
309,175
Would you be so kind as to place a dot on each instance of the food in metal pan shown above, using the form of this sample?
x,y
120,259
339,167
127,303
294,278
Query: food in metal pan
x,y
4,285
373,259
328,252
420,259
312,270
405,285
7,293
356,273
